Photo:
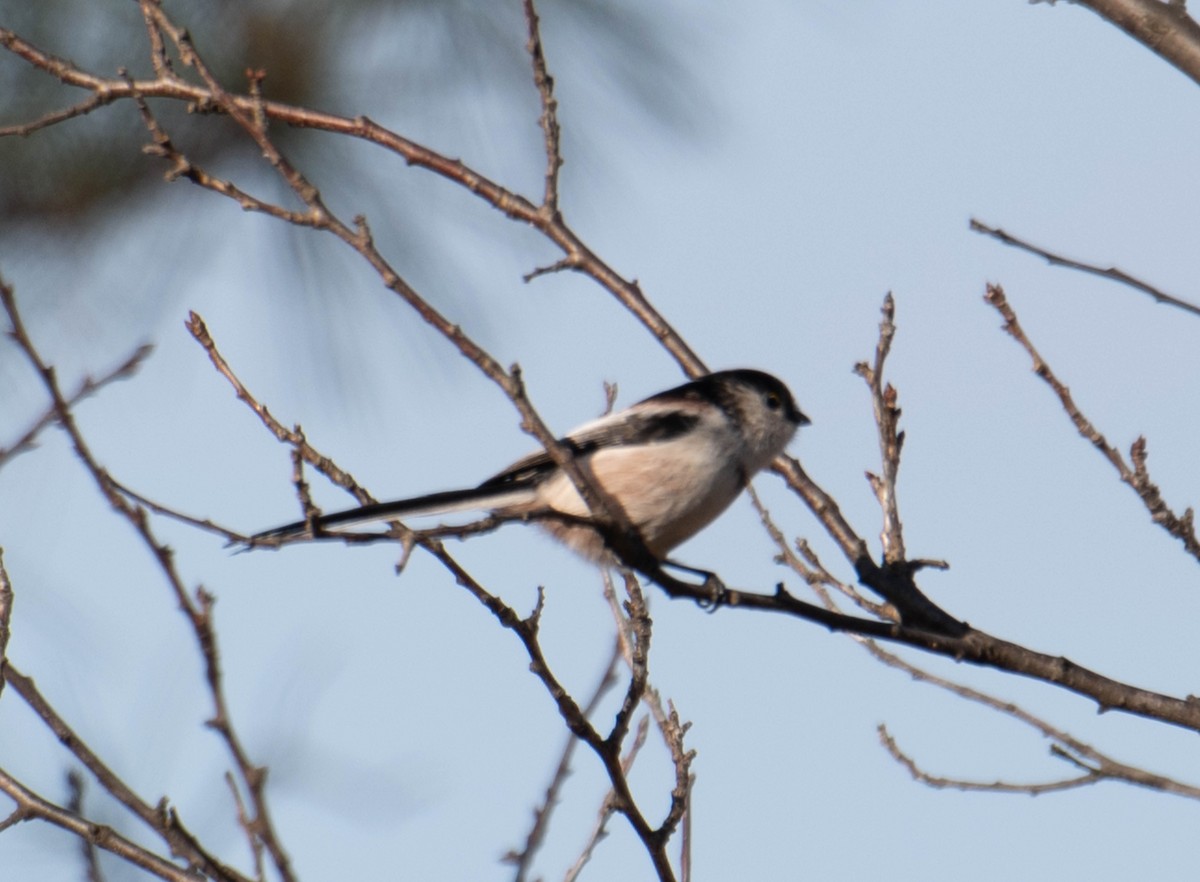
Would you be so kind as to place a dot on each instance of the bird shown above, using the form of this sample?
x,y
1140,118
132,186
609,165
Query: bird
x,y
673,462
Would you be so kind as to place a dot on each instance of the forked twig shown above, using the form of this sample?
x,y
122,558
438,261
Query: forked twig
x,y
31,805
197,612
1136,476
87,387
523,859
608,807
606,748
891,439
246,108
1097,766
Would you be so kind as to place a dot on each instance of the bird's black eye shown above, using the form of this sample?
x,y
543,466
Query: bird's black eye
x,y
774,402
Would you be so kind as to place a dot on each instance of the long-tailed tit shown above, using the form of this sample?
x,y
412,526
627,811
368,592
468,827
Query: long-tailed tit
x,y
672,462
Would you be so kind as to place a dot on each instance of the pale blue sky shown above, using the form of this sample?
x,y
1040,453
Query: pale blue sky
x,y
833,152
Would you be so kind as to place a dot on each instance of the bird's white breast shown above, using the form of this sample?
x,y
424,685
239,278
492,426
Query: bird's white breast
x,y
669,490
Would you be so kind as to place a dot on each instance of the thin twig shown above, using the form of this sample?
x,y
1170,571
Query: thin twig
x,y
198,612
174,514
1083,755
635,644
966,645
948,637
88,386
180,841
197,328
31,805
1111,272
54,117
1137,477
1099,766
942,783
804,562
515,206
526,629
87,848
633,626
608,807
566,263
247,824
523,858
6,609
549,116
891,439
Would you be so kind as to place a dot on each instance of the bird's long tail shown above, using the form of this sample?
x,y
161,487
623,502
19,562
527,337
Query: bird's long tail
x,y
447,502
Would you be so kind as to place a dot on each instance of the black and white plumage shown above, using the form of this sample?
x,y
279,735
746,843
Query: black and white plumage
x,y
673,462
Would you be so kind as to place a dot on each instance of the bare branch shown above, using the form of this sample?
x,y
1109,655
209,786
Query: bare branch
x,y
805,563
87,387
893,580
1162,27
959,641
174,514
54,117
635,645
526,629
31,805
1111,272
1098,766
197,328
941,783
558,266
246,107
891,439
6,608
87,848
163,147
246,822
523,859
606,749
166,824
1137,477
198,612
633,628
549,117
608,807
